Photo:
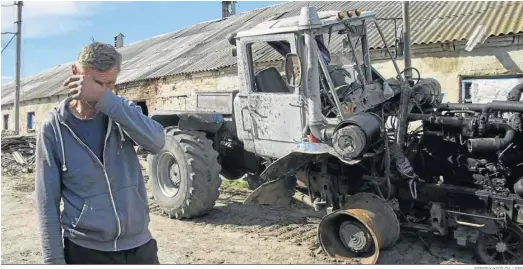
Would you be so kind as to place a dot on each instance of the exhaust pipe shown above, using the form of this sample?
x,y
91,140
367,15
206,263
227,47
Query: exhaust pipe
x,y
358,233
309,19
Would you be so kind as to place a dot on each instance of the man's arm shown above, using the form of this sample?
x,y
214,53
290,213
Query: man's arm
x,y
144,131
48,195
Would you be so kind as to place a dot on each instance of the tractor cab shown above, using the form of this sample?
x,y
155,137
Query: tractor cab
x,y
307,95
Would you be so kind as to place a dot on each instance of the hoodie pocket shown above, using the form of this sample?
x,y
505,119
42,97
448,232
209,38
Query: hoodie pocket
x,y
82,214
133,212
97,220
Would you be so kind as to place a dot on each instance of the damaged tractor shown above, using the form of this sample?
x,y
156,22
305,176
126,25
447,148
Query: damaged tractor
x,y
376,154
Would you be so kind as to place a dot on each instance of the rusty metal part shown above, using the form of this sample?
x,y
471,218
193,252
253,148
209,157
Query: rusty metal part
x,y
301,177
285,166
366,225
277,192
331,235
304,198
278,183
439,218
382,212
349,141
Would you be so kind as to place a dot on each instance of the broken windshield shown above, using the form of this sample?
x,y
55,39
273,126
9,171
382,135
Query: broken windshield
x,y
283,47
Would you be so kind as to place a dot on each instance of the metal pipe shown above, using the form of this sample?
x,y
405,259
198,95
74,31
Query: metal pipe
x,y
398,72
313,87
406,37
474,145
331,86
358,64
17,71
306,199
496,105
309,21
457,122
492,144
515,93
403,111
366,54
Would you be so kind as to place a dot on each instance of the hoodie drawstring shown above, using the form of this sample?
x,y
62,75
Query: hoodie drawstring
x,y
122,137
64,166
57,121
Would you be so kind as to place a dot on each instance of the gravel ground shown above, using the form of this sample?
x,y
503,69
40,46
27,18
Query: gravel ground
x,y
232,233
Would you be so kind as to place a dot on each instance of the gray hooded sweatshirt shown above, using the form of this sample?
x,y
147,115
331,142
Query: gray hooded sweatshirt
x,y
105,201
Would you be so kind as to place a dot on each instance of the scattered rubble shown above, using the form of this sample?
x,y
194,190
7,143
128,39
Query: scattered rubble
x,y
18,154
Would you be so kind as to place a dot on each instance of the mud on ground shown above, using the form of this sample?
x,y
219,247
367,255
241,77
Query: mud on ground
x,y
232,233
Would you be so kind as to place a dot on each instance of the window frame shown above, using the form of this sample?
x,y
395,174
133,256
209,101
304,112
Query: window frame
x,y
247,43
30,120
463,80
6,122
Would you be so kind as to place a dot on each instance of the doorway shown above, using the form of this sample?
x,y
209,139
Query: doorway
x,y
143,105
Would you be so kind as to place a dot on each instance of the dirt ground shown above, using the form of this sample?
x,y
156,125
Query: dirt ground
x,y
232,233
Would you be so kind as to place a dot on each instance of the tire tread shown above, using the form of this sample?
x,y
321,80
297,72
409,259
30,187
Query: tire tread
x,y
204,174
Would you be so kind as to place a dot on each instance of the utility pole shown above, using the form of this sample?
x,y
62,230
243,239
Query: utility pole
x,y
19,5
406,38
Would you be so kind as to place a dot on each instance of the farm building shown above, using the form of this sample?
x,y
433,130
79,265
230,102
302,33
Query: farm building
x,y
165,72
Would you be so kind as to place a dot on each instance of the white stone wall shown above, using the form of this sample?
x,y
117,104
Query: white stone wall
x,y
178,92
40,107
486,90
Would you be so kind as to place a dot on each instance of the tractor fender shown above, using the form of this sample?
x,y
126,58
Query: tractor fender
x,y
208,122
303,154
278,179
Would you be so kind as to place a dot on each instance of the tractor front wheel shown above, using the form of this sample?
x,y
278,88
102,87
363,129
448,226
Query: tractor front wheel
x,y
185,175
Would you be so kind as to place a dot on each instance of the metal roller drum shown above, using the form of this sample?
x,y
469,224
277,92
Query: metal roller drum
x,y
358,232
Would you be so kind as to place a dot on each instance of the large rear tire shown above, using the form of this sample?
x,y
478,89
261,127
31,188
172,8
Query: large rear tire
x,y
185,175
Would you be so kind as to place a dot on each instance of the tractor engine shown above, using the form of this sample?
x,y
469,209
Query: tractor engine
x,y
448,169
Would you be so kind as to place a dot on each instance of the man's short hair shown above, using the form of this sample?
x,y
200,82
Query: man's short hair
x,y
99,56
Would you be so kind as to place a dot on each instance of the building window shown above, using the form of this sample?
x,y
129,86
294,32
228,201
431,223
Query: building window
x,y
30,120
466,97
6,121
487,89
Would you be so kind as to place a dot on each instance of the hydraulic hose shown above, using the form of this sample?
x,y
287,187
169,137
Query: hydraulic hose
x,y
476,145
446,121
515,93
503,106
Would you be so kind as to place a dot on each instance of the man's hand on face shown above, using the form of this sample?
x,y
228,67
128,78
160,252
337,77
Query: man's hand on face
x,y
84,88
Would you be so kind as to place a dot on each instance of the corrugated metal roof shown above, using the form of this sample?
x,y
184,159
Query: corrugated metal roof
x,y
203,47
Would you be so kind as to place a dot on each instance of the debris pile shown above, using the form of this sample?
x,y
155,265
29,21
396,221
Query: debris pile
x,y
18,154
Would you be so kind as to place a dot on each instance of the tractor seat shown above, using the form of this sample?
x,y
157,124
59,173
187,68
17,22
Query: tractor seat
x,y
270,81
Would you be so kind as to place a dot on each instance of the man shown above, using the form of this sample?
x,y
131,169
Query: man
x,y
85,157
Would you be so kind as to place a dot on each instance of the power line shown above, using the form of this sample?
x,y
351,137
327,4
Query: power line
x,y
5,47
8,33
